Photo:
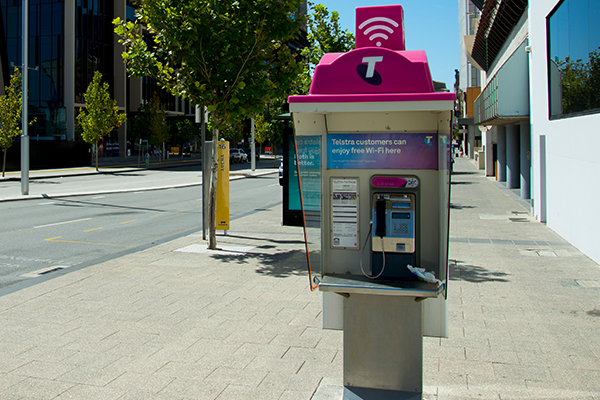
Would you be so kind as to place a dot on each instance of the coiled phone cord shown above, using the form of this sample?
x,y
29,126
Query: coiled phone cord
x,y
363,253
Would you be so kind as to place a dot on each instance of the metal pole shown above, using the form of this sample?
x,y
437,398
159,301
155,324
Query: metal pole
x,y
252,146
25,115
200,118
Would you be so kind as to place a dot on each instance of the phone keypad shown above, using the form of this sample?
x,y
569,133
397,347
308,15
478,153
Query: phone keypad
x,y
400,229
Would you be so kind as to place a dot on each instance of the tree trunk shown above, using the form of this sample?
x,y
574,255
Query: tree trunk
x,y
212,203
4,162
97,150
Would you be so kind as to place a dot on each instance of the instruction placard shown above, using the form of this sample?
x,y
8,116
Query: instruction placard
x,y
344,213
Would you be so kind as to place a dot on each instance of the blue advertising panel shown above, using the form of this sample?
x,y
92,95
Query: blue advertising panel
x,y
382,151
309,153
291,170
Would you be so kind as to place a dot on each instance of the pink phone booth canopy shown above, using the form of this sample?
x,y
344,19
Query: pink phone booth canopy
x,y
378,66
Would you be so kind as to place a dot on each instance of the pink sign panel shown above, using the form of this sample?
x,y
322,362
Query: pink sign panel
x,y
394,182
381,26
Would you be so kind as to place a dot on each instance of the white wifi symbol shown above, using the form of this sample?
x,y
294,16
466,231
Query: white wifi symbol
x,y
378,27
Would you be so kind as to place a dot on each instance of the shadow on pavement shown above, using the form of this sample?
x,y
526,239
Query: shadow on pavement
x,y
464,173
474,273
266,240
459,207
279,265
461,183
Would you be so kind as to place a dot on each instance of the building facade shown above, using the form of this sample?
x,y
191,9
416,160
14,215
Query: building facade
x,y
539,109
469,12
68,41
565,118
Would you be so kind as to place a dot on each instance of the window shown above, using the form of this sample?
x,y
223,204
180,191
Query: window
x,y
46,53
574,58
93,44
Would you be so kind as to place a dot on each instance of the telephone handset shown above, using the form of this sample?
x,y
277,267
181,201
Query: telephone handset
x,y
380,217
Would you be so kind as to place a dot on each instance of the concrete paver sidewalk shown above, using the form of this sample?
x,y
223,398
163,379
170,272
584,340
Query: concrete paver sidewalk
x,y
524,305
175,322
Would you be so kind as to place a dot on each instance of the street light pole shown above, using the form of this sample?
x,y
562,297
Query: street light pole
x,y
25,116
201,118
252,146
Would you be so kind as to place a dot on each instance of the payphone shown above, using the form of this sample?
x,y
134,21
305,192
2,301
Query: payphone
x,y
393,235
372,140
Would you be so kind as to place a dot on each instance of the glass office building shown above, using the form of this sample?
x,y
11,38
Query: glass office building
x,y
68,41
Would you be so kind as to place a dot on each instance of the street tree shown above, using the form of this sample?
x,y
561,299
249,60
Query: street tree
x,y
325,35
157,123
231,56
183,131
10,114
260,130
100,115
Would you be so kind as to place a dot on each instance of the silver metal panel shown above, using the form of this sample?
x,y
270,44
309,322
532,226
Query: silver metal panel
x,y
356,393
418,121
309,124
341,261
383,343
435,317
358,284
506,96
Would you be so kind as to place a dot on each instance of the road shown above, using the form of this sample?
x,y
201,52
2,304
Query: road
x,y
41,236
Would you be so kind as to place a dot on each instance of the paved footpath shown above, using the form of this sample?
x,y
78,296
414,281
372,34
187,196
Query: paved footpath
x,y
176,322
524,304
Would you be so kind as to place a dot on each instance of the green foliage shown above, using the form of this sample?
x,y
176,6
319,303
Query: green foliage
x,y
232,130
260,128
157,122
183,130
10,114
580,83
139,124
325,35
231,56
10,111
275,127
101,114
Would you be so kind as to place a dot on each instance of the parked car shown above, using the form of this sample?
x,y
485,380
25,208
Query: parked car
x,y
248,151
281,174
237,155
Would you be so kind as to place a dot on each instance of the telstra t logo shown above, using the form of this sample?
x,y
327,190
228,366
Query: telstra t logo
x,y
367,72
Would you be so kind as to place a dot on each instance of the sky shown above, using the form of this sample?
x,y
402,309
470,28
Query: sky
x,y
430,25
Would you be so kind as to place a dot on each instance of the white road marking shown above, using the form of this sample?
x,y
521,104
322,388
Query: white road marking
x,y
98,197
61,223
50,202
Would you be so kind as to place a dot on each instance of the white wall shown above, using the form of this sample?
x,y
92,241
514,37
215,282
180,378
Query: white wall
x,y
572,186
